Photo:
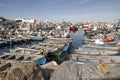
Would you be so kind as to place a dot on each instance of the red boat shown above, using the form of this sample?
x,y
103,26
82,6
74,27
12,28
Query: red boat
x,y
85,27
73,28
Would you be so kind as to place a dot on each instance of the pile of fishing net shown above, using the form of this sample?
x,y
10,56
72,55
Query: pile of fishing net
x,y
70,70
27,71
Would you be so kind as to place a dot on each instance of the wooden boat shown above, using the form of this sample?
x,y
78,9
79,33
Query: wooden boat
x,y
26,50
41,61
3,67
112,43
66,47
73,28
37,38
94,59
96,52
2,43
101,47
21,58
89,40
43,48
86,27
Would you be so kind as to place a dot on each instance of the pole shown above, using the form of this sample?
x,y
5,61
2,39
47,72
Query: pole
x,y
10,41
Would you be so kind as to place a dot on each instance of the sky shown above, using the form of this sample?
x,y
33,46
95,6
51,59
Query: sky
x,y
59,10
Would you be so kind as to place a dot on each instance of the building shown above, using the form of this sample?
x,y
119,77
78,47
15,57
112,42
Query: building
x,y
26,20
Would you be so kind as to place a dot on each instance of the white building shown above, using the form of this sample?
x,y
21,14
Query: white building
x,y
26,20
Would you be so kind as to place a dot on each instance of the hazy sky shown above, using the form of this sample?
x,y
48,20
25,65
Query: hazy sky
x,y
58,10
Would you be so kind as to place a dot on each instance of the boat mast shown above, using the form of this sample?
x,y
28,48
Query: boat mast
x,y
10,34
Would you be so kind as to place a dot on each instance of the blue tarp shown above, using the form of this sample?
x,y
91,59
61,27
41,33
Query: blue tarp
x,y
41,61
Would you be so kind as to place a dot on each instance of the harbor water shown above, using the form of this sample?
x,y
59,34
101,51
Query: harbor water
x,y
77,38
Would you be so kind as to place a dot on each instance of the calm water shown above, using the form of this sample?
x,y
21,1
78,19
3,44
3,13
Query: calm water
x,y
77,38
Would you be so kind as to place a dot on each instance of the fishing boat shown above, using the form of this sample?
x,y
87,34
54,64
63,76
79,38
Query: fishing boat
x,y
21,58
88,51
102,47
66,47
2,43
73,28
86,27
100,41
94,59
37,38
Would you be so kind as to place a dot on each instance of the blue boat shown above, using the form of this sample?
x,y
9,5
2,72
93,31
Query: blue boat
x,y
66,47
37,38
7,42
41,61
4,43
1,44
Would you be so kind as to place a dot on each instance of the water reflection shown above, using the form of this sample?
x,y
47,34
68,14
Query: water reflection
x,y
77,37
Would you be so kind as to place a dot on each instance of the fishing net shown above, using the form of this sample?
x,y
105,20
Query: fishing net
x,y
76,71
25,72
